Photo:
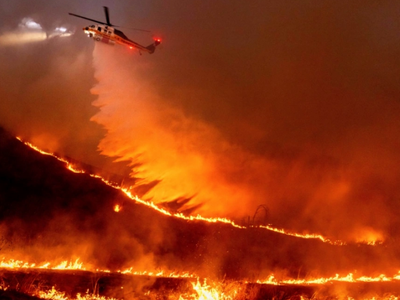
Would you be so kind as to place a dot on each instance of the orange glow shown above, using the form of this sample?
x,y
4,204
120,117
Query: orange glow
x,y
78,265
324,280
117,208
64,265
127,191
205,291
159,274
57,295
208,290
52,294
201,291
271,279
369,236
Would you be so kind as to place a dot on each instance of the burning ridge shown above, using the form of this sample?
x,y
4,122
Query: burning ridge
x,y
50,214
127,191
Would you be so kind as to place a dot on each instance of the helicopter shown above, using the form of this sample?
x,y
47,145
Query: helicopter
x,y
106,33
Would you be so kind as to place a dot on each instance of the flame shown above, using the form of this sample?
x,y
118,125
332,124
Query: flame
x,y
337,278
208,290
19,264
52,294
159,274
369,236
65,265
204,291
215,291
271,279
78,265
57,295
201,291
150,204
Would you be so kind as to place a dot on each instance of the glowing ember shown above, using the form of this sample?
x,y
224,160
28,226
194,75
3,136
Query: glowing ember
x,y
117,208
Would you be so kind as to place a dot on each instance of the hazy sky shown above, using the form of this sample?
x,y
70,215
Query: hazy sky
x,y
291,104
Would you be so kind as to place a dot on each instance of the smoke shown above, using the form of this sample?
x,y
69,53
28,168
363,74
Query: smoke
x,y
290,105
307,128
45,94
186,155
190,157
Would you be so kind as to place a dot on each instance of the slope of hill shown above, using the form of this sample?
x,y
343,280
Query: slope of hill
x,y
48,213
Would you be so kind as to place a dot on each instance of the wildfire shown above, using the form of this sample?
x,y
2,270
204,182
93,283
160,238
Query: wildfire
x,y
337,278
64,265
117,208
57,295
159,274
201,291
217,292
78,265
208,290
271,279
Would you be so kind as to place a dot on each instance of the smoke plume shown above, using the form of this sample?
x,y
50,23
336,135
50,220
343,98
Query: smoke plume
x,y
293,106
312,185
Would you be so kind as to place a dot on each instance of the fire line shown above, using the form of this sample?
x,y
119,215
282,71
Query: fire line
x,y
271,280
190,217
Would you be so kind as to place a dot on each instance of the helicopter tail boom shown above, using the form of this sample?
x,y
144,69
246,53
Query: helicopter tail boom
x,y
151,48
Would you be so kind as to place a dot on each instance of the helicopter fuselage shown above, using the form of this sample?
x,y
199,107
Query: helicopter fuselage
x,y
110,35
106,33
101,33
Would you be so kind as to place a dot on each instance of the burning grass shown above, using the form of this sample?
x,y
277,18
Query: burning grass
x,y
70,280
109,229
127,191
83,285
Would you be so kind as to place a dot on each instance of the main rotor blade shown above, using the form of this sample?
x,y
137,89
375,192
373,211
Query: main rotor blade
x,y
138,29
99,22
107,15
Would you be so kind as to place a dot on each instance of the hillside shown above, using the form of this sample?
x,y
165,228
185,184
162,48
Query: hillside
x,y
49,213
